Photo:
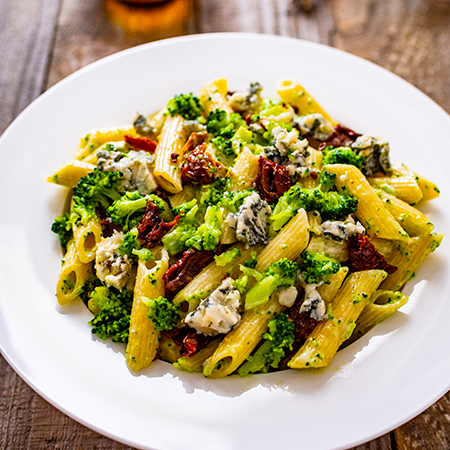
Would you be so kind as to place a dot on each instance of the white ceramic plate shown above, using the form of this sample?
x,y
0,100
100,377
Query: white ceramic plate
x,y
371,387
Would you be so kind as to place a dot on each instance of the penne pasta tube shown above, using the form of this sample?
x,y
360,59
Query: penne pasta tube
x,y
167,173
95,138
293,94
329,290
404,187
195,362
72,277
70,173
329,247
323,343
314,163
383,303
377,220
414,222
244,171
237,345
407,257
213,96
143,339
288,243
87,238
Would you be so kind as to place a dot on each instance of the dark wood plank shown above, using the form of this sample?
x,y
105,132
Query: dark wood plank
x,y
26,36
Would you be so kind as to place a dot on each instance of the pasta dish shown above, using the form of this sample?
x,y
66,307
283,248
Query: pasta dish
x,y
231,233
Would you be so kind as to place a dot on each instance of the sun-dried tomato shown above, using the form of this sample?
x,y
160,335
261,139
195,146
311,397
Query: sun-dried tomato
x,y
174,157
184,270
141,143
109,228
152,228
364,256
189,341
272,181
200,167
340,137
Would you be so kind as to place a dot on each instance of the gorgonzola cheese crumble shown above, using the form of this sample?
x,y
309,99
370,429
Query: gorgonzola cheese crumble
x,y
250,221
342,230
315,126
287,296
218,313
313,302
376,153
111,267
136,168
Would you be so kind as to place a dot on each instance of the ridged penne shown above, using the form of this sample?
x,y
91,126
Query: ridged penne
x,y
383,303
407,257
72,277
377,220
195,362
87,238
213,96
404,187
329,290
414,222
293,94
143,339
244,171
172,140
314,163
329,247
323,343
70,173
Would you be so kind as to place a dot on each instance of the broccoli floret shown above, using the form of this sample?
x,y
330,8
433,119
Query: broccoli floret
x,y
234,200
342,155
279,337
326,180
162,312
131,247
220,124
128,210
62,226
227,257
316,267
251,263
95,189
331,205
207,235
282,273
187,106
114,309
211,194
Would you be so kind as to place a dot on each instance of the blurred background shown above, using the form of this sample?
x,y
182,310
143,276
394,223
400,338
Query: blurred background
x,y
43,41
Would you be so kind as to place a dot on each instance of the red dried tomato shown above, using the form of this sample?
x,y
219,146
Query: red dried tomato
x,y
184,270
189,341
340,137
200,167
141,143
272,181
152,228
364,256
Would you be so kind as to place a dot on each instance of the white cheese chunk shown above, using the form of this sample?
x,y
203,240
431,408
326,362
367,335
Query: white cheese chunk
x,y
313,303
136,168
250,221
342,230
287,296
376,153
218,313
111,267
315,126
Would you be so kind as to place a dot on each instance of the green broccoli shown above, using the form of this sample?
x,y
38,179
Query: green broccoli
x,y
342,155
220,124
282,273
227,257
331,204
279,337
62,226
234,200
187,106
326,180
131,247
95,189
175,240
114,310
207,235
162,312
252,262
211,194
316,267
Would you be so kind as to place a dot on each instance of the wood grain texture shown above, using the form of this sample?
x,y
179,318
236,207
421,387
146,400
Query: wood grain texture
x,y
43,41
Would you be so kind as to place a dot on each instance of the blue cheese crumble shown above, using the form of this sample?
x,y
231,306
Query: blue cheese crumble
x,y
315,126
250,221
135,166
293,151
313,302
218,313
339,230
287,296
376,154
111,267
247,100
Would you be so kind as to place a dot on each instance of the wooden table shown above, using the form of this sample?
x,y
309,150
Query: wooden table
x,y
43,41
